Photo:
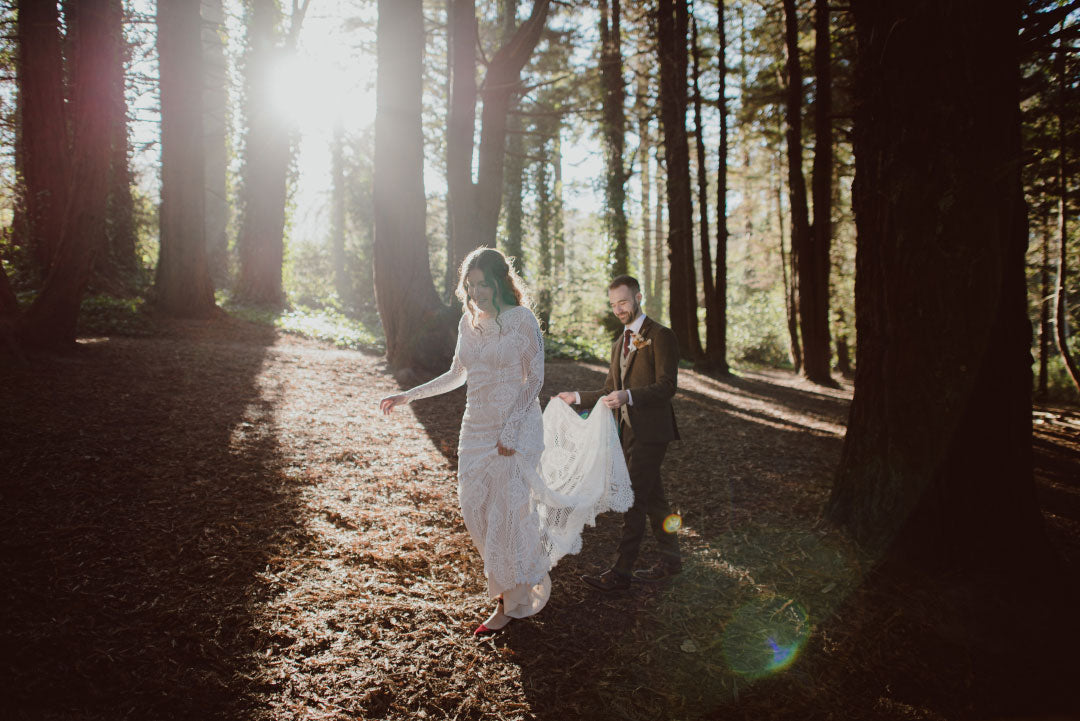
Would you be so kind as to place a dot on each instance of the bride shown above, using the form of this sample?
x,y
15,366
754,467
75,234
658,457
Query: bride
x,y
527,484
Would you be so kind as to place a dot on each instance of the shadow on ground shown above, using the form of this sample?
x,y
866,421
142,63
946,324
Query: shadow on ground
x,y
141,498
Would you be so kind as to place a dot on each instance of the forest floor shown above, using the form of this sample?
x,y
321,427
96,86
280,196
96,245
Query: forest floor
x,y
215,522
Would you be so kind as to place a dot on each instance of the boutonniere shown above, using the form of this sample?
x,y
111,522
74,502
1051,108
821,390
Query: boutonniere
x,y
639,341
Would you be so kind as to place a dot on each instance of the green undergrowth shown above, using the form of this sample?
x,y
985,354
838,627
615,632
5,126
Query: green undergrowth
x,y
101,315
324,324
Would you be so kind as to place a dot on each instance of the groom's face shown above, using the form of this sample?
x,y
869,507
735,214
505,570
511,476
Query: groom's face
x,y
625,304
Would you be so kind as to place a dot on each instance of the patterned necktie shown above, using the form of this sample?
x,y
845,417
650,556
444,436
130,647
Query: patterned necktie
x,y
626,343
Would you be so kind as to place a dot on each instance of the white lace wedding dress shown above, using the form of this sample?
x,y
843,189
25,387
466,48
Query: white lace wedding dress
x,y
525,511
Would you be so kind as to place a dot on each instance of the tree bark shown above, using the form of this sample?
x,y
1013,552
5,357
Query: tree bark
x,y
1044,310
182,287
711,360
672,27
419,331
645,154
614,129
815,358
268,153
475,206
115,264
514,212
338,194
1061,313
44,145
791,293
544,213
659,276
717,344
936,467
50,322
514,208
216,132
814,262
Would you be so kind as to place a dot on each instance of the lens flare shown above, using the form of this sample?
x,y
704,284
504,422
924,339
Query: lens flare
x,y
765,636
673,523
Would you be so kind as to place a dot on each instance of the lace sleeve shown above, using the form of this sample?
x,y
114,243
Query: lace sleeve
x,y
448,381
528,339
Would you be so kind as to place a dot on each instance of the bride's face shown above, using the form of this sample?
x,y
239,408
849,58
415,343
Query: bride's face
x,y
478,289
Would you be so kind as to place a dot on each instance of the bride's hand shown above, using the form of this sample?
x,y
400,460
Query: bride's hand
x,y
386,405
503,450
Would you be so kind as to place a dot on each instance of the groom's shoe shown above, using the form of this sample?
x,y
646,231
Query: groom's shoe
x,y
658,572
609,580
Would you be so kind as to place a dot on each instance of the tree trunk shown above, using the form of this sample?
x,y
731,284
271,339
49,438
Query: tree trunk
x,y
558,236
51,319
182,287
936,467
672,26
43,142
419,332
814,261
115,263
216,132
787,261
543,222
614,130
645,154
711,361
514,211
338,193
802,235
659,266
1044,309
474,206
268,153
717,345
9,304
1061,312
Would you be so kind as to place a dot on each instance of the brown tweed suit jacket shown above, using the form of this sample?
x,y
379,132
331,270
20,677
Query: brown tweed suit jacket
x,y
652,377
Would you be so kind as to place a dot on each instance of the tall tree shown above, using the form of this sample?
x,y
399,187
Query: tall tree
x,y
644,115
815,356
659,266
787,273
182,287
475,205
613,101
216,131
43,145
1061,315
515,161
814,263
418,330
707,278
716,344
115,264
268,153
672,33
50,321
936,467
338,195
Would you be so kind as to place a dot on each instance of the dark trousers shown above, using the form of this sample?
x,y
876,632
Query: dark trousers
x,y
643,461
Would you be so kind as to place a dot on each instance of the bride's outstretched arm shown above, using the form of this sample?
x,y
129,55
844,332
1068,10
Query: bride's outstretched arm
x,y
448,381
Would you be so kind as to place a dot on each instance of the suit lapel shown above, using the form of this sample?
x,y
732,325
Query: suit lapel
x,y
646,326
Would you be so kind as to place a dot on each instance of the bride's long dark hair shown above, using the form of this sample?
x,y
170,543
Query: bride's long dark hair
x,y
509,288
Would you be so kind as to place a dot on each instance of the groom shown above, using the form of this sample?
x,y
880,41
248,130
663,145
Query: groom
x,y
639,387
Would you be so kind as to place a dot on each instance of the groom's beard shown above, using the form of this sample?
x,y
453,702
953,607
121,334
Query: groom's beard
x,y
632,316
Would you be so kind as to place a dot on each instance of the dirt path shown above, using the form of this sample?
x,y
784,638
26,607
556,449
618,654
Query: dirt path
x,y
218,524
